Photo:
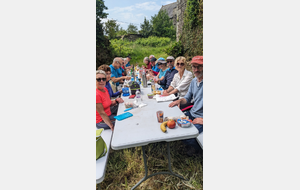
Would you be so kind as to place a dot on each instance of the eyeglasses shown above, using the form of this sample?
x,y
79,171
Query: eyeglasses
x,y
118,62
99,79
170,61
198,67
182,64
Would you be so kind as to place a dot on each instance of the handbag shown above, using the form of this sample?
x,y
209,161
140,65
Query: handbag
x,y
101,148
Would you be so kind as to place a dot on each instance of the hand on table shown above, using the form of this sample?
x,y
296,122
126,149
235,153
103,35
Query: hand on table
x,y
119,100
165,93
198,120
177,102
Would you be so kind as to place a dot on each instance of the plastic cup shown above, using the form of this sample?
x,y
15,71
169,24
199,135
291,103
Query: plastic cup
x,y
160,116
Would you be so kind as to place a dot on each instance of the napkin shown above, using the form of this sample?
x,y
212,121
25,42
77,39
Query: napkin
x,y
160,98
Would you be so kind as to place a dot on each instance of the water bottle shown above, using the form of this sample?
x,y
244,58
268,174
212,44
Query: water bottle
x,y
144,79
138,97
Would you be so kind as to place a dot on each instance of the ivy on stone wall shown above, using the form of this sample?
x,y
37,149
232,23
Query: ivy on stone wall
x,y
192,33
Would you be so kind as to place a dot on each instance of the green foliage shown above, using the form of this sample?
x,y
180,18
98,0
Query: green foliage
x,y
194,8
132,29
139,50
146,28
103,51
100,7
153,41
121,47
176,49
192,32
162,25
121,32
111,28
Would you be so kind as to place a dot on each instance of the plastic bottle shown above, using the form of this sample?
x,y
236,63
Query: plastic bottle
x,y
152,86
138,97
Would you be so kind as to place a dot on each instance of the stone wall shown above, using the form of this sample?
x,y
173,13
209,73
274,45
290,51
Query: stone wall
x,y
181,5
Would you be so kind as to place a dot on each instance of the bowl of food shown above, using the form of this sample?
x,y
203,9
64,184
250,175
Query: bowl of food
x,y
183,123
150,96
157,92
128,104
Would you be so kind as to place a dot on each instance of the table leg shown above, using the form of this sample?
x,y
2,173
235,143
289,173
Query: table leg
x,y
146,168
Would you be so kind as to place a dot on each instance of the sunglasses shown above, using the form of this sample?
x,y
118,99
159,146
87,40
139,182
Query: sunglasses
x,y
182,64
99,79
169,61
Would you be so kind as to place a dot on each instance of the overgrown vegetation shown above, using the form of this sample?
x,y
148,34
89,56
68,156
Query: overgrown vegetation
x,y
141,48
126,167
176,49
192,33
153,41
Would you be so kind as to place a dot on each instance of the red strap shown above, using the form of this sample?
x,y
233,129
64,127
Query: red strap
x,y
187,108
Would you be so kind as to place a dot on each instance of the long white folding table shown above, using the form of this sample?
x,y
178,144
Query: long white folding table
x,y
143,128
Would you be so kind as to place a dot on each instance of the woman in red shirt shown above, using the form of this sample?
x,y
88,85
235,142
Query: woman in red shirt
x,y
104,118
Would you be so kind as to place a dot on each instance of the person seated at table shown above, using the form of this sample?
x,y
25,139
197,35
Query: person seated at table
x,y
104,118
107,71
171,71
113,95
147,62
181,80
127,65
195,91
116,72
154,68
162,66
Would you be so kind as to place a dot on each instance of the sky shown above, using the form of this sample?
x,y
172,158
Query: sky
x,y
132,11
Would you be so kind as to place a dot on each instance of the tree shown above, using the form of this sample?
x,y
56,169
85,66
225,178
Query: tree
x,y
146,28
132,29
162,25
100,7
121,32
111,28
103,50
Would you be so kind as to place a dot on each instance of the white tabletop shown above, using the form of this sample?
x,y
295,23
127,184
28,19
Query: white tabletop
x,y
142,128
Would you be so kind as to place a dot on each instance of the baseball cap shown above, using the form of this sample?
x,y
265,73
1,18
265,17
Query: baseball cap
x,y
129,57
153,59
170,57
197,59
161,60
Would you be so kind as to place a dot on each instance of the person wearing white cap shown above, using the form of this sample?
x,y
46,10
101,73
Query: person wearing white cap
x,y
171,71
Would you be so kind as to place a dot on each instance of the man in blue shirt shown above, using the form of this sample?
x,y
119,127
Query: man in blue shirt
x,y
171,71
195,91
116,72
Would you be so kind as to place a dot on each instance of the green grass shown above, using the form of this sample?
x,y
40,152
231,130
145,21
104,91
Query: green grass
x,y
125,168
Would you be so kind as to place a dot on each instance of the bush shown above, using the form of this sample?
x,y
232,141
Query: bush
x,y
175,49
153,41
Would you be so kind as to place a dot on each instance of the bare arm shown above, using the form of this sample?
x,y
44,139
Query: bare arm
x,y
170,91
120,79
100,110
178,102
